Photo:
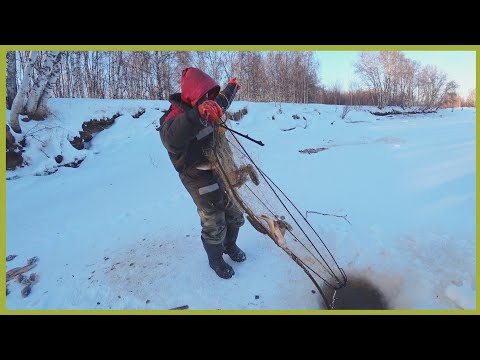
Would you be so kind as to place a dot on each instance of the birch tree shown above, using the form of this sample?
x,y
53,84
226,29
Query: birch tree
x,y
52,80
40,83
11,78
21,96
33,101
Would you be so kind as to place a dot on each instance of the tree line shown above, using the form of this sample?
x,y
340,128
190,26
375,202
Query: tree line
x,y
264,76
394,80
385,78
389,78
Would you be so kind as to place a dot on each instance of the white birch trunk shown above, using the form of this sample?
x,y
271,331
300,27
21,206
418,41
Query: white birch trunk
x,y
40,83
11,78
47,93
19,100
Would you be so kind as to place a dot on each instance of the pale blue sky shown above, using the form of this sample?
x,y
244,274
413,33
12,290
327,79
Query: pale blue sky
x,y
458,65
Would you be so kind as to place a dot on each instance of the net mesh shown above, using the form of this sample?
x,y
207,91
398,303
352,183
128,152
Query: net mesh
x,y
273,212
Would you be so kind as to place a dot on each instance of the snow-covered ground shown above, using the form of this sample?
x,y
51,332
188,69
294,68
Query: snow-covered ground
x,y
121,232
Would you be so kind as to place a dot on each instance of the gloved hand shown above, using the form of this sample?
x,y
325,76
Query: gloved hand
x,y
209,110
234,81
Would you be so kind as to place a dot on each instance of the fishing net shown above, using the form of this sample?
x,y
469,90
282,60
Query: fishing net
x,y
271,212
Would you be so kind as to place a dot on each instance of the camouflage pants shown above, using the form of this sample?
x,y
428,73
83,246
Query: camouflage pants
x,y
216,210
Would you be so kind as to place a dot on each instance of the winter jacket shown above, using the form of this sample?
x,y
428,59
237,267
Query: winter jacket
x,y
182,131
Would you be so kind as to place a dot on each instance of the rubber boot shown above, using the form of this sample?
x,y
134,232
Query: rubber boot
x,y
230,246
216,262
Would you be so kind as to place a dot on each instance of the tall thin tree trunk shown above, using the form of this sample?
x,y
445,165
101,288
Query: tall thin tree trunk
x,y
47,93
17,105
88,77
11,78
40,83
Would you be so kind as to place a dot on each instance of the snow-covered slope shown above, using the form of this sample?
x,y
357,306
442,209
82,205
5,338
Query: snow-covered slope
x,y
121,232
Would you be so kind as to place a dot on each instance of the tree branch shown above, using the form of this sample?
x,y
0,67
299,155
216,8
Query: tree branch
x,y
340,216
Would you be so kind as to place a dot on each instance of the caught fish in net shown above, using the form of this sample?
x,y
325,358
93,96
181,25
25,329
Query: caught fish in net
x,y
269,210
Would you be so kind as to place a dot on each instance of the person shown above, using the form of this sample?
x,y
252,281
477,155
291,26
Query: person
x,y
186,131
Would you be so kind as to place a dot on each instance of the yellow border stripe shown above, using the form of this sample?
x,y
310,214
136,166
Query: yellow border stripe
x,y
4,48
3,219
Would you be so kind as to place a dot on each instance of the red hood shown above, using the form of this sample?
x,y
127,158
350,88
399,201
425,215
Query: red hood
x,y
195,84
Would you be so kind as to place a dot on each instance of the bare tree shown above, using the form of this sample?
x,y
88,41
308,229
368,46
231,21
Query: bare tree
x,y
394,80
471,99
368,68
52,81
433,87
289,76
452,100
11,78
21,96
40,84
448,94
184,59
33,100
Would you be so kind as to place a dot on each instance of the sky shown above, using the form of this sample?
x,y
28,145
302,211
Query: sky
x,y
458,65
121,232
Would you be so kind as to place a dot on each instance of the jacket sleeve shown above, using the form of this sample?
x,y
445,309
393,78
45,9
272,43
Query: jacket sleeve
x,y
226,96
177,133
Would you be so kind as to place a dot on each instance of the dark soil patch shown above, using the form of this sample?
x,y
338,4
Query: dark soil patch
x,y
73,164
140,112
23,142
91,127
396,112
14,151
237,115
77,142
14,159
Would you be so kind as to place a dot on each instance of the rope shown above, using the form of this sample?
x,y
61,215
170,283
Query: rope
x,y
331,272
271,212
305,267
